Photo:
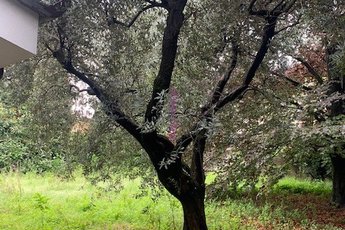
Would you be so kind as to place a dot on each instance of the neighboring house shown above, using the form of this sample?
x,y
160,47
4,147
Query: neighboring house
x,y
19,20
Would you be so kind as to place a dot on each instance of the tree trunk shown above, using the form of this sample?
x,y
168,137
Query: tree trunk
x,y
194,212
338,196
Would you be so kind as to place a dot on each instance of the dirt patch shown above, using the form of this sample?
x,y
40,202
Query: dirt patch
x,y
318,209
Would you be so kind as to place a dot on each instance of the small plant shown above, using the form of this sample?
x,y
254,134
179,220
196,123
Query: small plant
x,y
41,204
89,205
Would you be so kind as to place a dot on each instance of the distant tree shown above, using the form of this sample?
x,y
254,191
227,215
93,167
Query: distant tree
x,y
324,62
43,101
305,127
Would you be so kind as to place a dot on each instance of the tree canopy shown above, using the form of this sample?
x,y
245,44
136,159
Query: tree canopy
x,y
199,83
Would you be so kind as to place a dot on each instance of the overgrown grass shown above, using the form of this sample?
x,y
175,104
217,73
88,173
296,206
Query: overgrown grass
x,y
48,202
305,186
76,204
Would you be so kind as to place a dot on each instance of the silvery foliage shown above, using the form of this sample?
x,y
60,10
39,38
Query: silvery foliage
x,y
327,136
319,129
168,160
171,158
150,126
339,57
210,125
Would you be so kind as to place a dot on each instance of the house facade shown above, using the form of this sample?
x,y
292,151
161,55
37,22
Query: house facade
x,y
19,21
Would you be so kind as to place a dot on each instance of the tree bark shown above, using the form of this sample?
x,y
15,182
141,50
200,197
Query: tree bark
x,y
194,212
338,196
337,107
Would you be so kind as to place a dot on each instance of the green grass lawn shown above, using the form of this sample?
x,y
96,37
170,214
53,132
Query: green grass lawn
x,y
293,185
48,202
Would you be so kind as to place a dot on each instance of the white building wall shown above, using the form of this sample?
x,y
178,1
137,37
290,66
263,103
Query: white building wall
x,y
18,32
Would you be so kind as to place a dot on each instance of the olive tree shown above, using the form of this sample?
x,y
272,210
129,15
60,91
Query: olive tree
x,y
320,51
125,47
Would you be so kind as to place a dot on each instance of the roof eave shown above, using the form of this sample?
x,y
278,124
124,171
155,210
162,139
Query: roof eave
x,y
43,10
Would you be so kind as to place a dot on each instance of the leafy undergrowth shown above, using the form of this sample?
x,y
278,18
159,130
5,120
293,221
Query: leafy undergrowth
x,y
48,202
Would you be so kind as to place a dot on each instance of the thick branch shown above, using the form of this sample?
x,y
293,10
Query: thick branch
x,y
290,25
311,70
292,81
197,166
155,2
88,90
114,20
169,49
64,56
252,11
279,6
233,95
184,141
112,108
290,101
283,6
268,34
198,132
222,83
288,6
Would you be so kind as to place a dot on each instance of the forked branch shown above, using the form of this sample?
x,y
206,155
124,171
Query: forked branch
x,y
217,93
268,33
169,50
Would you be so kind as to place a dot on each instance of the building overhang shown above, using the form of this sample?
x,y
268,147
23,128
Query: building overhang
x,y
46,11
19,23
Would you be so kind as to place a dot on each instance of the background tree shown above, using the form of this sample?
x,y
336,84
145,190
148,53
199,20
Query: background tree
x,y
326,104
42,119
307,131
